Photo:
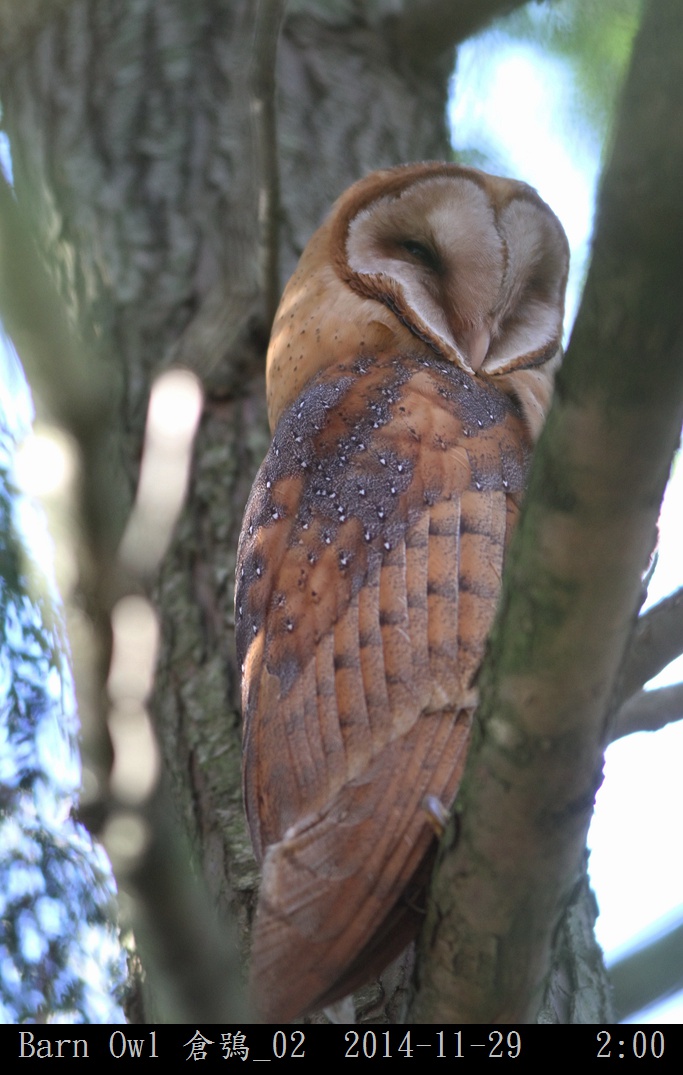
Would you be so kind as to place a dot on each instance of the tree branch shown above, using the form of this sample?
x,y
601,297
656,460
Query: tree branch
x,y
269,15
511,857
649,974
195,965
78,392
657,640
648,711
579,990
21,20
426,28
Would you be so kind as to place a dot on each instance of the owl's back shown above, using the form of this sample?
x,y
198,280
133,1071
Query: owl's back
x,y
368,576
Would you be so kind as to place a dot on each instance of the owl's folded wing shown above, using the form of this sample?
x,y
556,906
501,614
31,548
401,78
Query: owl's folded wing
x,y
369,573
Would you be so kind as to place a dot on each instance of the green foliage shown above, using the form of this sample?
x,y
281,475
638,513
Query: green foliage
x,y
583,46
595,37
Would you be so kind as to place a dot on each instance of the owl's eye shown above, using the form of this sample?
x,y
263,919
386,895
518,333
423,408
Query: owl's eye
x,y
422,253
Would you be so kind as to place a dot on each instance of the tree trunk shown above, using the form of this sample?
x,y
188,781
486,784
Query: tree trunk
x,y
132,134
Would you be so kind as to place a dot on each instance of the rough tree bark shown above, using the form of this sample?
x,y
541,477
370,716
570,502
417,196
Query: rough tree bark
x,y
132,135
573,582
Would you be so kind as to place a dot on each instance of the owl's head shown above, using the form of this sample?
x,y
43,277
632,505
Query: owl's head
x,y
429,257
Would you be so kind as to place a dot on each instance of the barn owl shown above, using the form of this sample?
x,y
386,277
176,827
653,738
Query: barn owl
x,y
409,372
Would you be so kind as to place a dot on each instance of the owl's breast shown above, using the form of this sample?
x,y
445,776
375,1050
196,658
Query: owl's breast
x,y
369,567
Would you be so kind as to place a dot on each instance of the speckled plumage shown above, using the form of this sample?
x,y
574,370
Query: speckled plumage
x,y
369,571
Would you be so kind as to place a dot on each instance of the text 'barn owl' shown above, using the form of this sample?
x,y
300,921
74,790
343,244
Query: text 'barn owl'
x,y
409,372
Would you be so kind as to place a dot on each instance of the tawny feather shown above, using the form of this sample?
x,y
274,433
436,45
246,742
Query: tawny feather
x,y
410,368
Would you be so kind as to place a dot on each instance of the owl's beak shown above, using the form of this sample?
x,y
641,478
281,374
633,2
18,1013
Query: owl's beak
x,y
474,343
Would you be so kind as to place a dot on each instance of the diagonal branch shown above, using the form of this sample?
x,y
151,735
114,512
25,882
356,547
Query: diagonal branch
x,y
651,973
426,28
648,711
657,640
573,582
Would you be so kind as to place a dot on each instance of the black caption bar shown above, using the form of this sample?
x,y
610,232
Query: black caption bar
x,y
251,1044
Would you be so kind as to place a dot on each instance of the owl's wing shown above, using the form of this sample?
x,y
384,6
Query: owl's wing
x,y
368,575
